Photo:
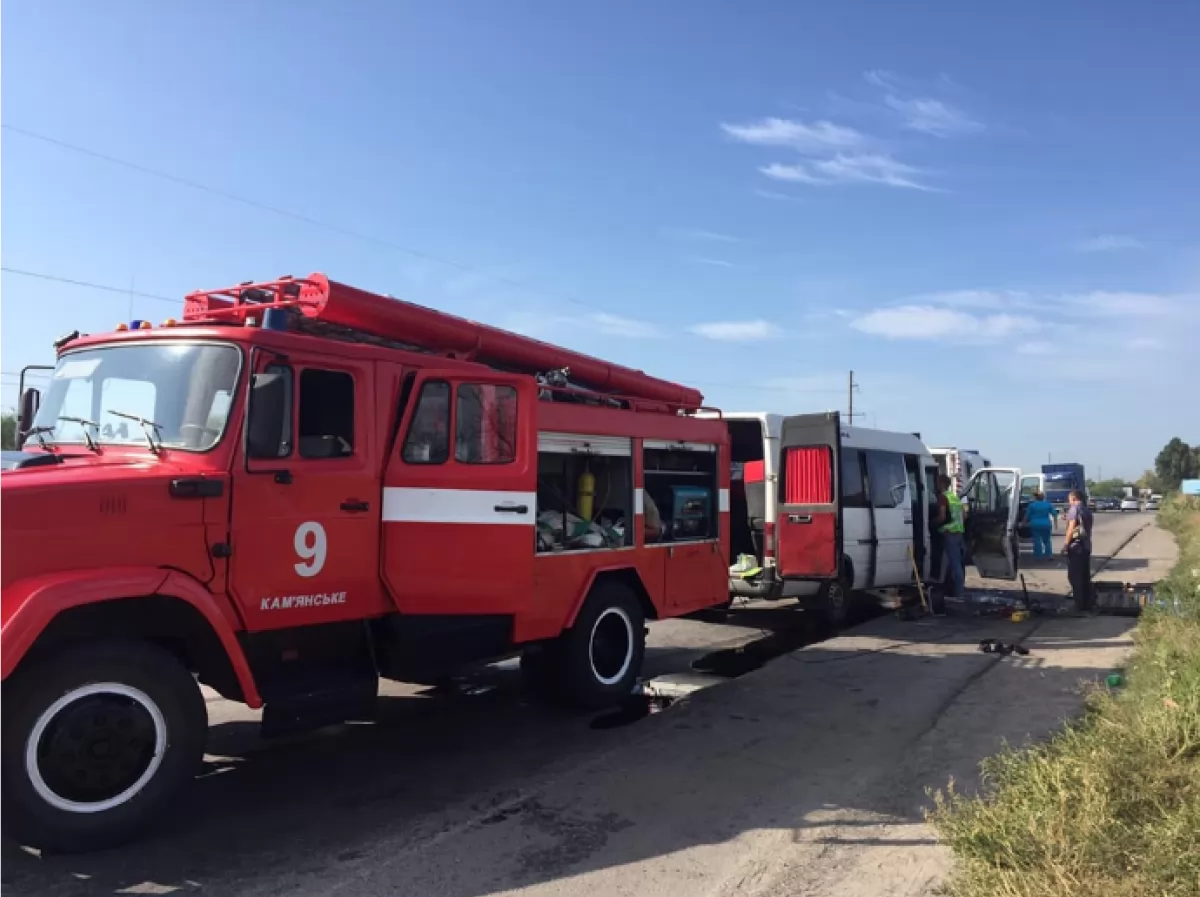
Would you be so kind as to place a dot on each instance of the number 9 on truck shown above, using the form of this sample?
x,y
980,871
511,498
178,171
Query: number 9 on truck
x,y
310,545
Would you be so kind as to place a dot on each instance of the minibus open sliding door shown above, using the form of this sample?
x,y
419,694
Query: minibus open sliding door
x,y
808,528
993,505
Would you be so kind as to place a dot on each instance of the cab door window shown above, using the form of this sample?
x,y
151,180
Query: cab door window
x,y
485,425
326,414
428,437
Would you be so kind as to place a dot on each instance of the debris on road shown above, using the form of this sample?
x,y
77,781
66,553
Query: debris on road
x,y
995,646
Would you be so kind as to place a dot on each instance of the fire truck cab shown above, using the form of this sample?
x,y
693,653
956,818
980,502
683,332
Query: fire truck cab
x,y
302,487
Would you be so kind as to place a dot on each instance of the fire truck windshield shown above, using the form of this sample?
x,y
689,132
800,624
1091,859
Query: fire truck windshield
x,y
185,389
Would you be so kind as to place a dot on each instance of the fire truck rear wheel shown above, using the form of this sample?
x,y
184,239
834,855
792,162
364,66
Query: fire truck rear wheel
x,y
98,742
601,655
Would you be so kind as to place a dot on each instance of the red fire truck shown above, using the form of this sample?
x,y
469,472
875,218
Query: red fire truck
x,y
301,487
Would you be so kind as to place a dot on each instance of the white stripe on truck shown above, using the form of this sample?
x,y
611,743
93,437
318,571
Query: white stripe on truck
x,y
407,504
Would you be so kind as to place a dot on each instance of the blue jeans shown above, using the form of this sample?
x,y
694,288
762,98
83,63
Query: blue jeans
x,y
956,571
1041,542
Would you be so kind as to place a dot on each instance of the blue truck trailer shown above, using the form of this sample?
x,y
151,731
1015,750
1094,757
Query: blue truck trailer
x,y
1060,479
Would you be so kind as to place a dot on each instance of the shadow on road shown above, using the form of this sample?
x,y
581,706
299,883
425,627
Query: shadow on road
x,y
454,795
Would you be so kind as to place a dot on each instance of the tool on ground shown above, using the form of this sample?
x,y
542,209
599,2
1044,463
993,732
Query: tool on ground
x,y
920,585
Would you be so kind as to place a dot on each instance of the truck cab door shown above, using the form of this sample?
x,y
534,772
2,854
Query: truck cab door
x,y
808,528
460,496
305,510
993,501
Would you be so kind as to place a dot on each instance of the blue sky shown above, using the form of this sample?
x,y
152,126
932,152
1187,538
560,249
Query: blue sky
x,y
991,214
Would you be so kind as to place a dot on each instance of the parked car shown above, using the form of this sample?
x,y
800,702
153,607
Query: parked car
x,y
1152,504
1130,504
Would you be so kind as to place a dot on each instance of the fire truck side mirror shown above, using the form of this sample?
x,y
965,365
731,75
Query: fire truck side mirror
x,y
31,400
267,413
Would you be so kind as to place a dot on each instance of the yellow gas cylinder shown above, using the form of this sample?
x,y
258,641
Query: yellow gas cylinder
x,y
585,496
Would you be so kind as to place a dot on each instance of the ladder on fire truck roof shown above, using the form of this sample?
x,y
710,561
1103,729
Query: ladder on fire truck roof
x,y
317,304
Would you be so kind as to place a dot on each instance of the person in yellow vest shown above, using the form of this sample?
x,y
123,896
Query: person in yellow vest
x,y
949,523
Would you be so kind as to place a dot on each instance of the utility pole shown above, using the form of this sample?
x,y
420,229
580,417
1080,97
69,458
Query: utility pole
x,y
850,404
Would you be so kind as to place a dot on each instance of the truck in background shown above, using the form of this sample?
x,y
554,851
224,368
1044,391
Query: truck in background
x,y
1061,479
301,488
959,464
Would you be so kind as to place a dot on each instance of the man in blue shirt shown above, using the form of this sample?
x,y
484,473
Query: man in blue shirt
x,y
1038,516
1077,543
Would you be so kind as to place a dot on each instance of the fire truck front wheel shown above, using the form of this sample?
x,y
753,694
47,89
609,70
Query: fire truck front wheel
x,y
98,741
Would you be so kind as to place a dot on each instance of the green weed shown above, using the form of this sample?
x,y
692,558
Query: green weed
x,y
1110,807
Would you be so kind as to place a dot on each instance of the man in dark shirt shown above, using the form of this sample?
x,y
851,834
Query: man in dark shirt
x,y
942,559
1077,543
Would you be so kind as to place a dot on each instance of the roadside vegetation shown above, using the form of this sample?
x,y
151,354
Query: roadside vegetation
x,y
1111,806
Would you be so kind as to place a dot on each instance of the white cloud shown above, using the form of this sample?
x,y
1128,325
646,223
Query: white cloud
x,y
872,168
1146,343
1123,304
615,325
715,263
933,117
1036,347
818,137
797,174
1109,243
970,298
736,331
775,195
931,322
924,114
880,78
701,236
568,328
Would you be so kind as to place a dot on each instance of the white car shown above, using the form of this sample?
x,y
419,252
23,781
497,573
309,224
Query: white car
x,y
1130,504
1152,504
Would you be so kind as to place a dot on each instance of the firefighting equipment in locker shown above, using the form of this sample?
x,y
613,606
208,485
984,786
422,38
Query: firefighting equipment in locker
x,y
690,511
585,497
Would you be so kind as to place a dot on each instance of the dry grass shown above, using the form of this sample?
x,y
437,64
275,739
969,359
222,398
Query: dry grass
x,y
1111,806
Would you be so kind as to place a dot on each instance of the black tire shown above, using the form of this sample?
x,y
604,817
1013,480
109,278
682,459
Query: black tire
x,y
835,600
133,758
598,660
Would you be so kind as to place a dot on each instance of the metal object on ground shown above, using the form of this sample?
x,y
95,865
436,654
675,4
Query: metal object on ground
x,y
1124,599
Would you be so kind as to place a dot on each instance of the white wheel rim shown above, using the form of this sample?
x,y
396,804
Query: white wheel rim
x,y
33,769
628,625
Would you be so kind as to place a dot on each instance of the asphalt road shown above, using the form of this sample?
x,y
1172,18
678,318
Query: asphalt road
x,y
265,817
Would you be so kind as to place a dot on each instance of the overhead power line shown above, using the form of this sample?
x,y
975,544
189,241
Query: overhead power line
x,y
314,222
288,213
124,291
40,275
